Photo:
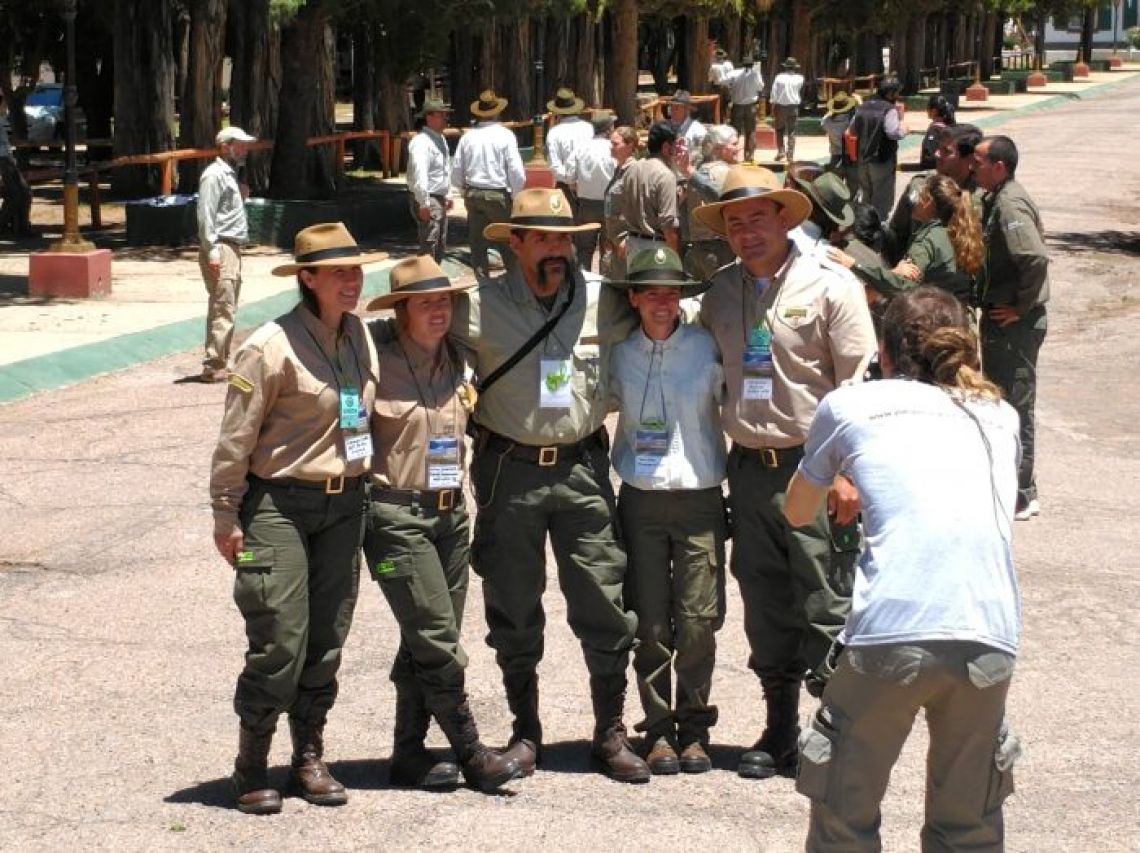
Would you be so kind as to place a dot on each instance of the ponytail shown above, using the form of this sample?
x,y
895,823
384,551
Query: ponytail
x,y
965,232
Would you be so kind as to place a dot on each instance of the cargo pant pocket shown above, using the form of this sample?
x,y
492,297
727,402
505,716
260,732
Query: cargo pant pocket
x,y
818,751
251,571
846,545
1007,751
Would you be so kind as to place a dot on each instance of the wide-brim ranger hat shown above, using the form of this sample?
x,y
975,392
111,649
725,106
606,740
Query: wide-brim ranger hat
x,y
828,193
415,277
538,209
565,103
744,183
328,244
790,64
659,267
433,105
841,102
488,104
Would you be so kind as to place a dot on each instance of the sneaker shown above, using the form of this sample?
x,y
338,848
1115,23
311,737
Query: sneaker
x,y
1028,510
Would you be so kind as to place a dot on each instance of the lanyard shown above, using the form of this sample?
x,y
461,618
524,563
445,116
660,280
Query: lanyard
x,y
334,361
435,407
649,380
774,287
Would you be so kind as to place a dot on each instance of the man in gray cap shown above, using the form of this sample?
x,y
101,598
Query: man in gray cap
x,y
222,231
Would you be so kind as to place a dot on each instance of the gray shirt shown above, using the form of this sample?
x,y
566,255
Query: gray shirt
x,y
221,209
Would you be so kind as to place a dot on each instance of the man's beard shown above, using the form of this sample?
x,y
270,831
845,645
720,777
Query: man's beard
x,y
551,270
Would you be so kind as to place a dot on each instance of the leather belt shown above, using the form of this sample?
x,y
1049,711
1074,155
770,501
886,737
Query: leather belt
x,y
440,500
330,485
497,190
654,237
771,457
544,457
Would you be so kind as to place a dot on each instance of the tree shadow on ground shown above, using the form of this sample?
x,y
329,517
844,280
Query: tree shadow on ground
x,y
1107,242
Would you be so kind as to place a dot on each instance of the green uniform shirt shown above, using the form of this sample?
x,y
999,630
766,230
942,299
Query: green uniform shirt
x,y
1017,266
495,320
931,251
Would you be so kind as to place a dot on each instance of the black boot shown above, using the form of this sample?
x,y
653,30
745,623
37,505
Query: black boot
x,y
251,774
526,731
483,767
413,766
310,776
775,752
611,750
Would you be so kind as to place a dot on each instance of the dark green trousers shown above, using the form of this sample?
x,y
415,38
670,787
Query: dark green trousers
x,y
297,594
1009,357
520,504
675,585
795,582
419,558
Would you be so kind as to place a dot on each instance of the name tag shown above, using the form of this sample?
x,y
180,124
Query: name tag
x,y
650,447
443,462
357,445
554,383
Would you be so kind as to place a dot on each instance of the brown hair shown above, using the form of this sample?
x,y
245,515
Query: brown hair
x,y
927,337
954,208
628,135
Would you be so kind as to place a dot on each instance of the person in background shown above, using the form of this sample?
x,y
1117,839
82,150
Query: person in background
x,y
941,114
667,382
569,133
707,250
623,147
417,539
835,122
288,486
877,127
649,195
429,179
786,97
590,171
745,84
682,115
936,616
15,194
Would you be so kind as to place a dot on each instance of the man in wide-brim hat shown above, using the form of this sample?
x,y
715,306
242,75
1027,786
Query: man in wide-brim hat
x,y
488,170
790,329
429,178
840,108
831,212
682,115
569,135
541,336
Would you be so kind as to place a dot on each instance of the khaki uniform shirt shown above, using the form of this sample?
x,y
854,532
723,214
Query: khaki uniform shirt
x,y
1017,265
495,320
822,336
401,423
282,413
649,197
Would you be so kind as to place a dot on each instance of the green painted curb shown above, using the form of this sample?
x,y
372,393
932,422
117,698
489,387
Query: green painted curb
x,y
66,367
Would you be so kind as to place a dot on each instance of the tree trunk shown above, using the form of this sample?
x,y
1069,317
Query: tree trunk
x,y
621,60
1088,28
900,55
585,62
201,108
255,81
295,173
800,38
986,45
911,73
730,41
95,77
695,55
364,88
144,103
323,175
465,85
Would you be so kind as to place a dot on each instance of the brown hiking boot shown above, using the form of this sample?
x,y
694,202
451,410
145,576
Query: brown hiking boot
x,y
662,758
310,776
483,767
611,750
523,752
526,730
694,759
251,775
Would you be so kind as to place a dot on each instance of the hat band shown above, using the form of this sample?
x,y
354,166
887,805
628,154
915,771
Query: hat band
x,y
327,254
744,192
538,221
437,283
658,275
564,102
488,105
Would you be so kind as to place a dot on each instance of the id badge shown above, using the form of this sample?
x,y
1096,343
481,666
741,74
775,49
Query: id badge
x,y
650,447
351,412
443,462
357,445
758,367
554,383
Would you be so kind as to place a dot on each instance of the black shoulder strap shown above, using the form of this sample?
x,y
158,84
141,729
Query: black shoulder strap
x,y
503,369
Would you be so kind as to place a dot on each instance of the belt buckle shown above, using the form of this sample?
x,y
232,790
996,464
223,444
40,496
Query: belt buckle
x,y
334,485
769,458
445,500
547,457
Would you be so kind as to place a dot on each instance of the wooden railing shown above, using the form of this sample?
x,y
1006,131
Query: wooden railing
x,y
864,83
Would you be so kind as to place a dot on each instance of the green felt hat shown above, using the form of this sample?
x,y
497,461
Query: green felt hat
x,y
659,267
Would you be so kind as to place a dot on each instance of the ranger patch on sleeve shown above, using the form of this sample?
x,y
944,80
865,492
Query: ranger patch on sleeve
x,y
241,383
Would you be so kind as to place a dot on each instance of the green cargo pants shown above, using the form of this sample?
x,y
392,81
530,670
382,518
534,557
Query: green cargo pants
x,y
297,591
795,582
520,504
675,585
419,559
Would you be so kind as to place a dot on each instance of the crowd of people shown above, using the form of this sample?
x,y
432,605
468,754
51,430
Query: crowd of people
x,y
786,336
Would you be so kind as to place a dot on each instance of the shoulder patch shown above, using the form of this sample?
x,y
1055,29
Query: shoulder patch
x,y
241,383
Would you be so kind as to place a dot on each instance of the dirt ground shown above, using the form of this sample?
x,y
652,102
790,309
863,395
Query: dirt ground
x,y
123,643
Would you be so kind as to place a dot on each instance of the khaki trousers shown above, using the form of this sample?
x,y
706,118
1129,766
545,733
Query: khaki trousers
x,y
867,711
224,292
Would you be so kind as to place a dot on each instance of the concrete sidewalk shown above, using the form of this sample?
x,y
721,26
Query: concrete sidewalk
x,y
157,306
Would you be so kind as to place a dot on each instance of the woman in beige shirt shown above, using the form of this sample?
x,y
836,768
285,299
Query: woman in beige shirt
x,y
288,487
417,539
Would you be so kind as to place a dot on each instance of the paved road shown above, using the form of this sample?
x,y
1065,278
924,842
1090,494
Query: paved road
x,y
122,643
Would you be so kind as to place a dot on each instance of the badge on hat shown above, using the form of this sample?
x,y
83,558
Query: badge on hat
x,y
556,202
659,257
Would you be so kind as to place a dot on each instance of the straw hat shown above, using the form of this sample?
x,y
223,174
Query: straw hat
x,y
489,104
659,267
414,277
829,194
743,183
433,105
565,103
841,102
538,210
326,245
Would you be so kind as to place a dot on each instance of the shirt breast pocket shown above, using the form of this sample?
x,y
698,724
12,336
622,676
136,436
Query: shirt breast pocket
x,y
802,319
